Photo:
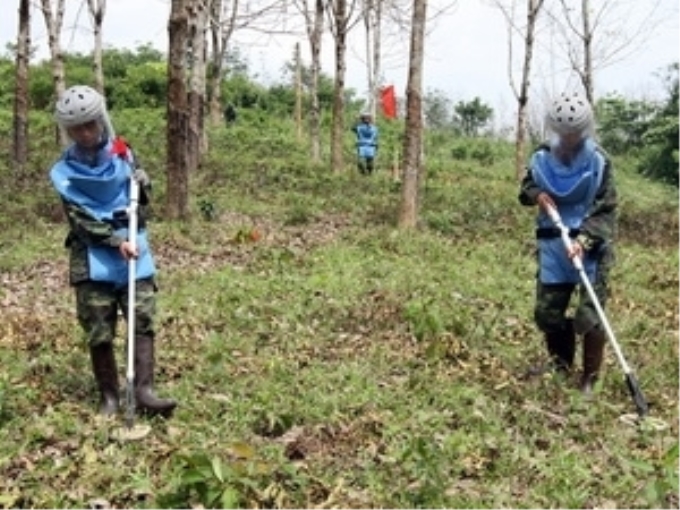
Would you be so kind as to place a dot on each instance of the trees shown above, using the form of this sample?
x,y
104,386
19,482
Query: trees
x,y
131,84
54,19
471,116
597,34
438,109
413,141
222,23
178,157
20,146
660,154
341,17
197,16
97,10
644,130
521,92
372,12
225,18
314,22
622,123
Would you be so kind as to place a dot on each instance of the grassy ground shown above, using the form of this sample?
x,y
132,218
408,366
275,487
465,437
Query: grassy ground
x,y
323,358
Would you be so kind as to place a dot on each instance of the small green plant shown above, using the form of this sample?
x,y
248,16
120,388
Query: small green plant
x,y
208,209
244,481
420,458
665,486
483,152
299,214
460,151
424,319
209,481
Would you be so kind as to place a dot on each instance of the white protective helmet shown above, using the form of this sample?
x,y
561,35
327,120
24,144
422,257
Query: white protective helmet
x,y
81,104
570,114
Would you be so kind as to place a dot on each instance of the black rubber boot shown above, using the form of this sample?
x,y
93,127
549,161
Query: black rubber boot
x,y
106,374
593,353
561,346
146,401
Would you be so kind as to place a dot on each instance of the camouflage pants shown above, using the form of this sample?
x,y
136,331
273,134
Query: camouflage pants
x,y
365,165
552,301
98,304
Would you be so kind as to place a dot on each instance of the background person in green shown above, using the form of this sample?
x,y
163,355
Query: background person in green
x,y
92,178
573,175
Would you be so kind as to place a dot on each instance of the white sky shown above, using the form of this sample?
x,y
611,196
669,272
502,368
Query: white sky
x,y
466,50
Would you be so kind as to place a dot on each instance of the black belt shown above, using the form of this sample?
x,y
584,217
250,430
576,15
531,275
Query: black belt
x,y
553,232
120,220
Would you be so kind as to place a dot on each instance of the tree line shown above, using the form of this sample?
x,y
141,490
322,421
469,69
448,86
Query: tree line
x,y
138,79
199,72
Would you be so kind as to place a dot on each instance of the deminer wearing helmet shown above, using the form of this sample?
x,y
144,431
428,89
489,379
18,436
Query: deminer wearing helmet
x,y
92,178
366,143
572,174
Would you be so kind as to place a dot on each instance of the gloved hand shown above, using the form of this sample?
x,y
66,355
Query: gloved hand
x,y
141,177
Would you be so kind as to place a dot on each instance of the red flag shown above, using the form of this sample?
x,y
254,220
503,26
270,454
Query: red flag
x,y
388,100
119,148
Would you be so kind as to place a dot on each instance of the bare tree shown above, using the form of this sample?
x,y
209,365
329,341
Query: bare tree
x,y
372,15
341,17
521,93
226,17
223,16
408,213
314,22
602,33
178,116
20,146
97,9
298,91
54,19
197,14
585,67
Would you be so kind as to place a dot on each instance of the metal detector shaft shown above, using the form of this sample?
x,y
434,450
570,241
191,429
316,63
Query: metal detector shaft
x,y
132,280
633,386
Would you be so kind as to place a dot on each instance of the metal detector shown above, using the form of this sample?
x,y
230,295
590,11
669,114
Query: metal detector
x,y
131,432
132,287
631,382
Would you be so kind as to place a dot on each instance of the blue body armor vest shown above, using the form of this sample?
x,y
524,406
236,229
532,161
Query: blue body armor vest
x,y
103,192
573,188
367,140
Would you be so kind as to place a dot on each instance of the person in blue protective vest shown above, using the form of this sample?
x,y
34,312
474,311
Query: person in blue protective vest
x,y
572,174
92,177
366,143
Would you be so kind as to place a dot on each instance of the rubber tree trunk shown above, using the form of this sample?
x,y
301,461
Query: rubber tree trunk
x,y
413,141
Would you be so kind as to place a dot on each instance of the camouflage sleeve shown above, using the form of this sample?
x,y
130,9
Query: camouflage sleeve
x,y
528,190
600,221
89,230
